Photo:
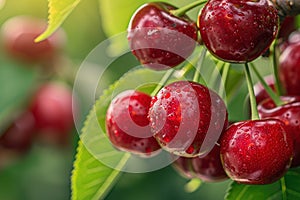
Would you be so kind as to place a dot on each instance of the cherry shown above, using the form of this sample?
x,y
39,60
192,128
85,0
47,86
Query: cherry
x,y
127,123
18,136
256,151
289,68
238,31
287,26
18,34
208,168
289,114
187,118
51,107
158,39
259,91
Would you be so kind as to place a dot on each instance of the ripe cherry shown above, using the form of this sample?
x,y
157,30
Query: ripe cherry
x,y
289,68
52,109
287,26
158,39
187,118
19,135
127,124
19,33
289,114
238,31
260,92
256,151
208,168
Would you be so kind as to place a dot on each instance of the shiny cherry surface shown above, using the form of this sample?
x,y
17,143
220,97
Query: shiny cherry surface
x,y
256,151
158,39
238,31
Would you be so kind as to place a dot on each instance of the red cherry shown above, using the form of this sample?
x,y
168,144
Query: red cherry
x,y
187,118
260,92
256,151
19,135
52,109
208,168
127,124
238,31
289,68
158,39
287,26
19,33
289,114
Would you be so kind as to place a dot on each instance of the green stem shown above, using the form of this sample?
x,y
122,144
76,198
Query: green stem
x,y
272,94
186,68
181,11
197,75
254,112
283,188
224,78
215,73
163,81
278,88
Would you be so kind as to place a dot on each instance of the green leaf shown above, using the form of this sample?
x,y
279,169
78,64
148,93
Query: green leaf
x,y
285,189
58,11
91,178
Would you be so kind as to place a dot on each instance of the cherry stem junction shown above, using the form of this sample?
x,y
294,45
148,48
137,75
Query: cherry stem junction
x,y
181,11
163,81
254,112
271,93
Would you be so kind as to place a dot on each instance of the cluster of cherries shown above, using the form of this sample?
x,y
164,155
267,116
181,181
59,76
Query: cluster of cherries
x,y
187,118
47,115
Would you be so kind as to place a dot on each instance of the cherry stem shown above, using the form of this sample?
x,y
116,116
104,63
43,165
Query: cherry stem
x,y
254,112
186,68
271,93
197,75
283,188
215,73
163,81
278,88
193,185
224,79
181,11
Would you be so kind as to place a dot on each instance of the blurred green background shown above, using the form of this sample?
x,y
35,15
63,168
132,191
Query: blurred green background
x,y
44,172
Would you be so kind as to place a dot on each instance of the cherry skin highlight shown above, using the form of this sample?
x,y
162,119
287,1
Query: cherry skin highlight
x,y
187,118
289,114
256,151
127,124
238,31
158,39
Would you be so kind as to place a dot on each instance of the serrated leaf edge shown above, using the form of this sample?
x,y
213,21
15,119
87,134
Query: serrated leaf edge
x,y
51,29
